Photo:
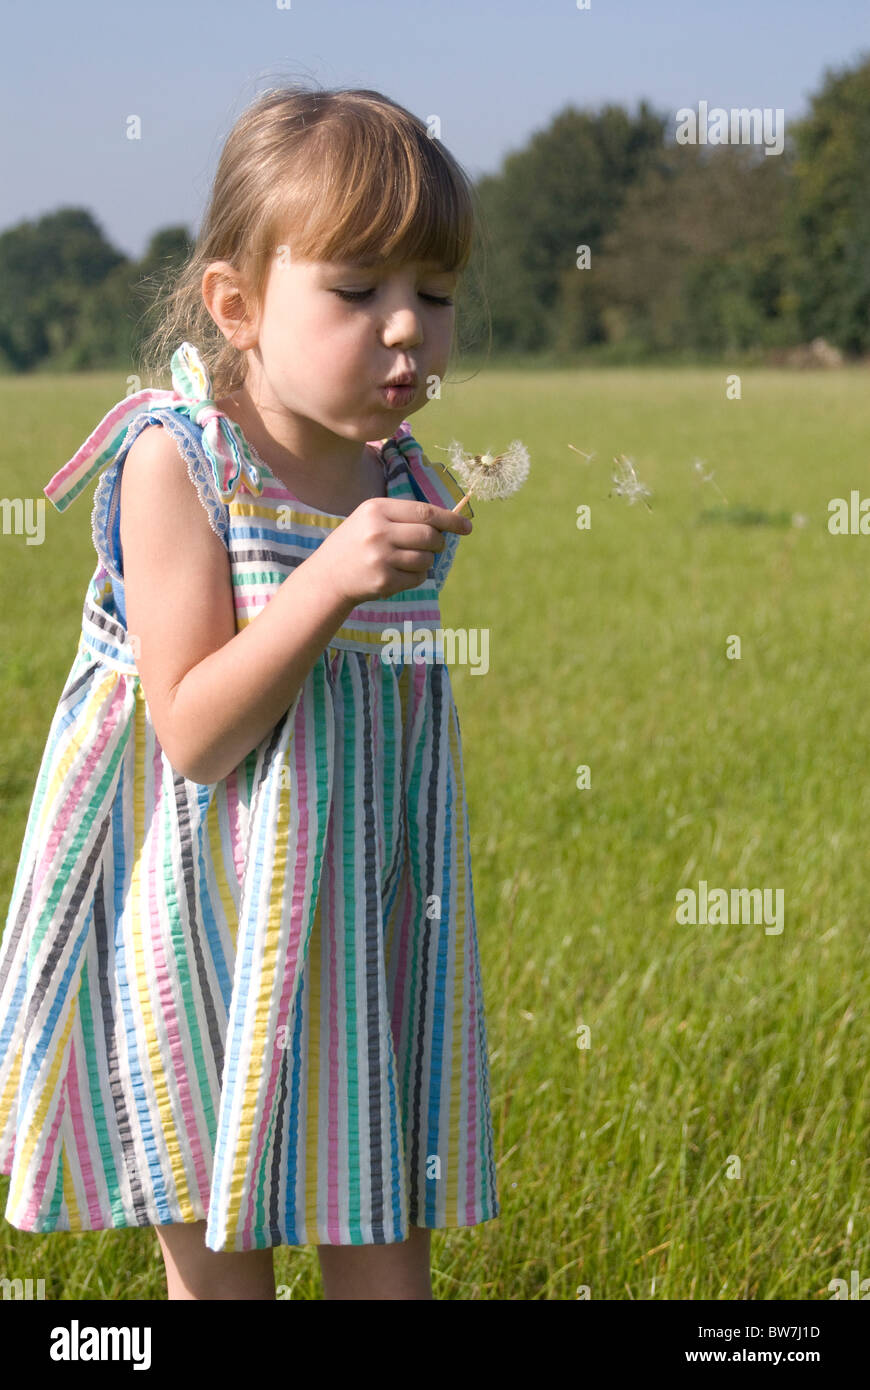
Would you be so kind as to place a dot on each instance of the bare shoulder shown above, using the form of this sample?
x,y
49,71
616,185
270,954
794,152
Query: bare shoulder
x,y
154,466
163,519
177,578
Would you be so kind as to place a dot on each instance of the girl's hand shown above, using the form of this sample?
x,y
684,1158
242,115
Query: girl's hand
x,y
387,545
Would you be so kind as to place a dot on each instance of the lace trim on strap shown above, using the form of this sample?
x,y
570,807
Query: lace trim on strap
x,y
107,494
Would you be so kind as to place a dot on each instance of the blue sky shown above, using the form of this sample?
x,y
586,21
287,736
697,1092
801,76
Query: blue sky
x,y
494,71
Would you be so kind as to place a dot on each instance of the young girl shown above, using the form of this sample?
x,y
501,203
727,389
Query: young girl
x,y
240,993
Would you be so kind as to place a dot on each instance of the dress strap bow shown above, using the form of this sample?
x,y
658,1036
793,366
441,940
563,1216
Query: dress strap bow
x,y
222,440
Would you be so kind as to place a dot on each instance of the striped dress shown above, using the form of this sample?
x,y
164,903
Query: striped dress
x,y
258,1002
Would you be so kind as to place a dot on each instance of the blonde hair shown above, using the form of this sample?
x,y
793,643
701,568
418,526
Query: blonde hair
x,y
343,175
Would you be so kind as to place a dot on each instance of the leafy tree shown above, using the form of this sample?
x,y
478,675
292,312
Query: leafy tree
x,y
564,189
698,257
69,300
116,314
47,268
829,216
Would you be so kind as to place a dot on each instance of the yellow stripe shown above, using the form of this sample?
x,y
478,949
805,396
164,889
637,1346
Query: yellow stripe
x,y
69,1195
375,640
268,507
9,1098
139,923
37,1126
217,858
245,1139
81,736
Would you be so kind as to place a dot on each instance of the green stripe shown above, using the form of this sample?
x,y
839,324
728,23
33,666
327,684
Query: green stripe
x,y
85,820
49,1222
46,770
90,1050
418,896
348,827
180,950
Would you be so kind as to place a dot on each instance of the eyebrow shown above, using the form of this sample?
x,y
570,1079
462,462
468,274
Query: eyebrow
x,y
374,264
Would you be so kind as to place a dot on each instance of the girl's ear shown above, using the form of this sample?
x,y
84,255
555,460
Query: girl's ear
x,y
230,303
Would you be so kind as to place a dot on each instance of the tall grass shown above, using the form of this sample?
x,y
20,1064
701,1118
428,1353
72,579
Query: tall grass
x,y
711,1141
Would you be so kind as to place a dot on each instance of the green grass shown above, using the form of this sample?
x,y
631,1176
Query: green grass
x,y
607,648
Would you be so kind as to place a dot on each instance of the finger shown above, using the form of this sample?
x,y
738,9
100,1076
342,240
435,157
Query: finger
x,y
426,514
414,537
415,561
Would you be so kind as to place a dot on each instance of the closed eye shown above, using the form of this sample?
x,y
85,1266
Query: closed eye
x,y
356,295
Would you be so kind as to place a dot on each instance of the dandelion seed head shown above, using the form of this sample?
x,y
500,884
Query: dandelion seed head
x,y
628,485
487,476
699,465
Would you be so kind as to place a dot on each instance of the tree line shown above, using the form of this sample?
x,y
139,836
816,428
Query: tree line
x,y
603,236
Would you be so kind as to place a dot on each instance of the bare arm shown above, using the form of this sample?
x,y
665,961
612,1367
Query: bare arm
x,y
214,693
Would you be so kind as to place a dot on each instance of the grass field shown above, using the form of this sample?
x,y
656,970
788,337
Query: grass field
x,y
712,1139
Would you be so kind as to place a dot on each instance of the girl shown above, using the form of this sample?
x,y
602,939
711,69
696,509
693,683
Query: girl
x,y
240,994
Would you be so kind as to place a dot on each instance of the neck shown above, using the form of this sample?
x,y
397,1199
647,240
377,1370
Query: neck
x,y
296,455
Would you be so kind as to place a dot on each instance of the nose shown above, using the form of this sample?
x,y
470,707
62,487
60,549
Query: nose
x,y
402,327
402,324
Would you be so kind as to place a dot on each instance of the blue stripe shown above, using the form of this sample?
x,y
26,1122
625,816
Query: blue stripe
x,y
128,1016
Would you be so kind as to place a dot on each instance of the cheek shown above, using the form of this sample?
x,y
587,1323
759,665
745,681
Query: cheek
x,y
443,336
325,355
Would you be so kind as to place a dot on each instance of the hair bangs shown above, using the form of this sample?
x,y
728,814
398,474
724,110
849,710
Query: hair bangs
x,y
378,201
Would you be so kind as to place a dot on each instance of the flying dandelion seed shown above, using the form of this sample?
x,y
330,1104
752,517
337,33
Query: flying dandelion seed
x,y
699,466
588,457
628,484
488,476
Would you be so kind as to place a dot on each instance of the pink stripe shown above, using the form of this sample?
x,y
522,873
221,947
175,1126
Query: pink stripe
x,y
234,815
414,695
163,980
73,804
37,1191
394,617
297,921
96,441
81,1143
427,479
